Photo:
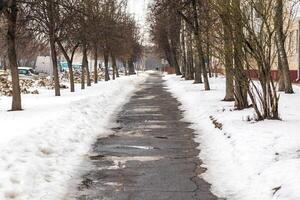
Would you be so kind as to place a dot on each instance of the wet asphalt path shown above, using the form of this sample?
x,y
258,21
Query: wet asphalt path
x,y
151,156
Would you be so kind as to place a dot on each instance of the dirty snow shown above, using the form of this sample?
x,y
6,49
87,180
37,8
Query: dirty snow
x,y
246,160
41,147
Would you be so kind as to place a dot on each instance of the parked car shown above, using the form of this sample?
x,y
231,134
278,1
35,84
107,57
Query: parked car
x,y
27,72
65,68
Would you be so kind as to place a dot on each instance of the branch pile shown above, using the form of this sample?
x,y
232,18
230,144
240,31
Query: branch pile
x,y
25,84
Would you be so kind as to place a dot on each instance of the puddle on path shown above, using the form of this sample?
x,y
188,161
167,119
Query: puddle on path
x,y
145,109
121,161
146,98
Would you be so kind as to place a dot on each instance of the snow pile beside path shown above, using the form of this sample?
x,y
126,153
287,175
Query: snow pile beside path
x,y
245,160
41,148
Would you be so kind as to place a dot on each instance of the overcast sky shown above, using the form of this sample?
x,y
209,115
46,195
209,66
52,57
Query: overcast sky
x,y
139,9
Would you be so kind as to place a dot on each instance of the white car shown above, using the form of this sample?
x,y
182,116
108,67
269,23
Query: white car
x,y
27,72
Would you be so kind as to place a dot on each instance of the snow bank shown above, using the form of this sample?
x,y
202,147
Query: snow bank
x,y
246,160
41,148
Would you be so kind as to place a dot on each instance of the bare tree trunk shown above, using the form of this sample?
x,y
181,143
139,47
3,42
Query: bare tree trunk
x,y
199,45
71,73
228,54
70,63
125,67
208,52
55,66
208,62
198,72
190,62
183,52
117,72
113,61
229,76
241,82
4,63
168,55
281,86
12,14
131,67
106,57
85,64
52,38
202,63
281,47
96,64
198,68
115,67
82,75
175,60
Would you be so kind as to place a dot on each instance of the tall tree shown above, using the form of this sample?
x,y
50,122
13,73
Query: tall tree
x,y
241,80
11,13
283,60
44,16
228,47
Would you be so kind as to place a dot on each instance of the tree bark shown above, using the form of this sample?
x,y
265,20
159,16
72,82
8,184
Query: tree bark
x,y
12,14
71,74
171,55
183,52
114,65
208,64
241,80
117,72
70,63
202,63
52,38
85,64
281,47
96,64
106,57
281,86
175,58
54,64
131,67
125,67
228,55
199,45
190,62
82,75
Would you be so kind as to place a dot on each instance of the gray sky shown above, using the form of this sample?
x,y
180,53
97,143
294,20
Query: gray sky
x,y
139,9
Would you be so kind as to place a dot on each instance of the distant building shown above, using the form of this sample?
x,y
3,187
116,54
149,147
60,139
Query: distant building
x,y
44,64
293,49
293,52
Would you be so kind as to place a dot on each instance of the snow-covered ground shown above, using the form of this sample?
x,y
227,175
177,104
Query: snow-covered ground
x,y
245,160
41,147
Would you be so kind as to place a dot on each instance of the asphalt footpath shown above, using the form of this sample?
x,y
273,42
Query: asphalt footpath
x,y
152,154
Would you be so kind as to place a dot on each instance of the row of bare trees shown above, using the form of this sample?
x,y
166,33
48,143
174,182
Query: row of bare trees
x,y
93,28
242,36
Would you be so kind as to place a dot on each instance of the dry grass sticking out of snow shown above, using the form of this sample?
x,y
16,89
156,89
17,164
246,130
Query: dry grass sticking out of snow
x,y
41,148
246,160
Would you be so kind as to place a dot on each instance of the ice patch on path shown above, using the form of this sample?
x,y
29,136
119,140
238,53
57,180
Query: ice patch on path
x,y
121,161
145,110
245,160
38,161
